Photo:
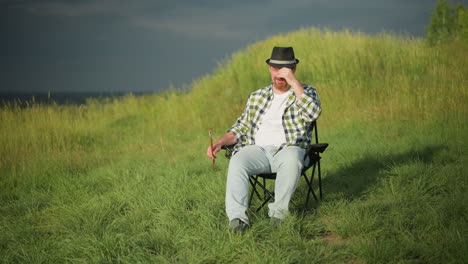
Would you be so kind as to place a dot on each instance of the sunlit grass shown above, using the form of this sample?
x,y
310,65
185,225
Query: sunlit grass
x,y
126,180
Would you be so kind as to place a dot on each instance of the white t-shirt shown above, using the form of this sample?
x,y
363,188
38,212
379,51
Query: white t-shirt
x,y
270,129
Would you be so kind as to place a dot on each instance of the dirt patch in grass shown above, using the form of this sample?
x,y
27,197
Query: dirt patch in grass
x,y
333,238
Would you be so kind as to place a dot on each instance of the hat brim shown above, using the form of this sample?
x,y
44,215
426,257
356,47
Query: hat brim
x,y
282,65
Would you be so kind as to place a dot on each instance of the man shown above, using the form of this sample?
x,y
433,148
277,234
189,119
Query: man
x,y
271,136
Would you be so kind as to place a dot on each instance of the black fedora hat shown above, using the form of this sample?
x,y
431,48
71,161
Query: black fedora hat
x,y
282,57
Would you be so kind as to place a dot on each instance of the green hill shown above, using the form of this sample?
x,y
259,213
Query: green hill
x,y
126,180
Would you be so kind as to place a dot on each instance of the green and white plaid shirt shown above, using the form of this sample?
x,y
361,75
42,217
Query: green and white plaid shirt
x,y
297,118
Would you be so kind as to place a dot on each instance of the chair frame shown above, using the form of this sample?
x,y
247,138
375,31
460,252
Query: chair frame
x,y
313,153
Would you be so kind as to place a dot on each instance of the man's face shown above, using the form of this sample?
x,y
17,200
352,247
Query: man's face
x,y
278,81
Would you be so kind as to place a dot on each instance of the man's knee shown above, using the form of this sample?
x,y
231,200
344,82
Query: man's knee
x,y
290,164
240,160
250,160
291,158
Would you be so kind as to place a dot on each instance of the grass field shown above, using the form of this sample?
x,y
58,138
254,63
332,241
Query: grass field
x,y
126,180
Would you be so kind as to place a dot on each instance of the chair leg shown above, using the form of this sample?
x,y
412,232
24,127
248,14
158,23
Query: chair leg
x,y
267,195
310,188
312,180
319,179
264,202
253,183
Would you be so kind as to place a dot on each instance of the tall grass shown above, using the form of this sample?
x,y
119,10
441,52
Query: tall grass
x,y
367,75
126,180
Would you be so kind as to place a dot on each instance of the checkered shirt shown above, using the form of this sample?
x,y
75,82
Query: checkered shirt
x,y
297,118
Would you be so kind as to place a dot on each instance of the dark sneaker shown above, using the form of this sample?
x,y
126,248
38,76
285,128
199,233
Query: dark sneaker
x,y
238,225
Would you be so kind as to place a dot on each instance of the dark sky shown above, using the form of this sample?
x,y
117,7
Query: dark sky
x,y
148,45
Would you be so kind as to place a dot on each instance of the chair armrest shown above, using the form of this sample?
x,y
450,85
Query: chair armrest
x,y
229,149
317,148
313,153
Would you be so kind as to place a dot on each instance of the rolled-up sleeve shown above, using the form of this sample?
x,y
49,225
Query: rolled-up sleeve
x,y
309,103
240,127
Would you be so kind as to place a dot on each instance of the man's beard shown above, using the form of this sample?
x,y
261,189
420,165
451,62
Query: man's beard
x,y
281,85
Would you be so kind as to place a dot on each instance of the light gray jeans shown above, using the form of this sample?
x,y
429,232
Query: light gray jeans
x,y
250,160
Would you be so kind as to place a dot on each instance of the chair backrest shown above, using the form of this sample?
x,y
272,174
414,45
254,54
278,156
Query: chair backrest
x,y
314,131
317,146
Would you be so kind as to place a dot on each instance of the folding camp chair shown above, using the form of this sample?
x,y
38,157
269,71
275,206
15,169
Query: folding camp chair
x,y
313,155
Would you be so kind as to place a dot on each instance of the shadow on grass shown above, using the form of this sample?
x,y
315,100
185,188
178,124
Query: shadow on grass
x,y
353,181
